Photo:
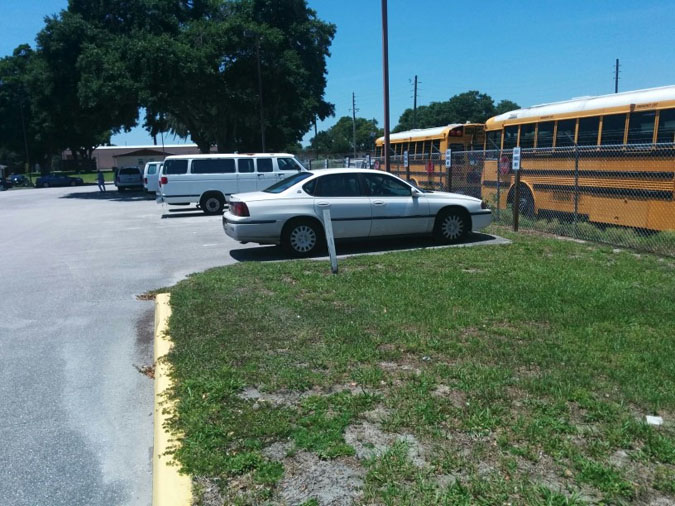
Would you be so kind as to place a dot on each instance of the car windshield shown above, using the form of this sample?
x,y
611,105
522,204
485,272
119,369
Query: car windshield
x,y
286,183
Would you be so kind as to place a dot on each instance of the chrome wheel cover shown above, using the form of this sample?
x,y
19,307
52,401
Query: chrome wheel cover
x,y
452,226
303,238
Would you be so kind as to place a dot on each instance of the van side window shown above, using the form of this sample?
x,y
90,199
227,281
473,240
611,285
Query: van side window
x,y
175,167
152,169
264,165
287,164
245,165
213,166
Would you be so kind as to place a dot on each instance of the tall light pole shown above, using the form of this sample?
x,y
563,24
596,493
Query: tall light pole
x,y
385,72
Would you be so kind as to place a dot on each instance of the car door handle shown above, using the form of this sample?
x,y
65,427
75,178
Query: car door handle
x,y
323,203
379,202
260,175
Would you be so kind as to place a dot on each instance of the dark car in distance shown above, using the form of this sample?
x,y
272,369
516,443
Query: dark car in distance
x,y
19,180
57,180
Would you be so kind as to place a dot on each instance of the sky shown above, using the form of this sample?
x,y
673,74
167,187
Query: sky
x,y
531,52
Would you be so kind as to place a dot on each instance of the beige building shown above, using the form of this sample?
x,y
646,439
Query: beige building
x,y
107,157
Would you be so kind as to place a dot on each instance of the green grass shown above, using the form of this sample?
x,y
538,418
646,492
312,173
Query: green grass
x,y
523,370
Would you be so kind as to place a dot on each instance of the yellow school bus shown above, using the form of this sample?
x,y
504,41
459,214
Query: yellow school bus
x,y
426,150
609,159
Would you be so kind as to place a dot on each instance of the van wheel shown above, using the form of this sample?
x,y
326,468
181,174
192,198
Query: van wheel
x,y
451,226
212,203
301,238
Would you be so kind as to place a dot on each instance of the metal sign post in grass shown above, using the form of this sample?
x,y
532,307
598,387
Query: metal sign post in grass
x,y
515,166
330,240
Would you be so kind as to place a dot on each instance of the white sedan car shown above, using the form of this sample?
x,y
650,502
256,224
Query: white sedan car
x,y
363,203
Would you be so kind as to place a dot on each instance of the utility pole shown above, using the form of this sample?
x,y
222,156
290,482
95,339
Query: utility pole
x,y
385,75
260,94
616,77
415,105
354,122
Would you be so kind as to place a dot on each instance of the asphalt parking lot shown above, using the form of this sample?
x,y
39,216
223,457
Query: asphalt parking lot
x,y
76,414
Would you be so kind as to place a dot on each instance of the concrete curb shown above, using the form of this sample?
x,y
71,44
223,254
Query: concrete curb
x,y
169,488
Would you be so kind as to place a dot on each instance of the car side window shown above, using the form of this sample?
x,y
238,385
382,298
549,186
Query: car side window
x,y
339,185
245,165
264,164
386,186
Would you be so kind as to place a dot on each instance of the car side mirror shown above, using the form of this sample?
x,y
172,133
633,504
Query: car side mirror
x,y
415,192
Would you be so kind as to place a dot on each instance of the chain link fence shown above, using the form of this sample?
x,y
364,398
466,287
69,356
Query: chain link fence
x,y
620,195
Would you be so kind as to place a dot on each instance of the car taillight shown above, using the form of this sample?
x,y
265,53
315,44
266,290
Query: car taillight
x,y
164,180
239,209
145,180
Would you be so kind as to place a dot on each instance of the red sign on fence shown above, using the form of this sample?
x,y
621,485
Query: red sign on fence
x,y
430,166
504,165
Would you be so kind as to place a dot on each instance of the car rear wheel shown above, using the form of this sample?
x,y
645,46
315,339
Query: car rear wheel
x,y
452,225
302,238
212,203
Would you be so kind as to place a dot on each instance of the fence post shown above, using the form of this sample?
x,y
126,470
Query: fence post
x,y
499,173
576,188
310,164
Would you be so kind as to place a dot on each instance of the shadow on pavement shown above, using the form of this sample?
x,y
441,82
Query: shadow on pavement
x,y
348,248
188,213
112,195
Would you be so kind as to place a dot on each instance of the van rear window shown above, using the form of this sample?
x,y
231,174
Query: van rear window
x,y
130,171
213,166
175,167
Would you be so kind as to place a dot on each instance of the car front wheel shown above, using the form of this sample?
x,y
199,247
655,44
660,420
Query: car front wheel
x,y
451,226
302,238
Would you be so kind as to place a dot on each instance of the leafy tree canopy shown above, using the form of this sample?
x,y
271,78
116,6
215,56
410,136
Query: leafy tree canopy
x,y
471,106
340,137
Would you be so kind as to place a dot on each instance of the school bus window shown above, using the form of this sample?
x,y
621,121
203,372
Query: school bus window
x,y
565,135
510,137
425,148
435,146
613,128
378,152
527,136
494,140
588,131
666,131
545,135
641,127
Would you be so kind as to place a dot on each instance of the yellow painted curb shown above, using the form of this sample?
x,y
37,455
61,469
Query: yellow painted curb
x,y
169,488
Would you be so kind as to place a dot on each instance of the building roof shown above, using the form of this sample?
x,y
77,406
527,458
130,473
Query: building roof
x,y
145,152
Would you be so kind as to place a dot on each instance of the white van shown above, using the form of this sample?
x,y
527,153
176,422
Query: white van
x,y
150,175
209,180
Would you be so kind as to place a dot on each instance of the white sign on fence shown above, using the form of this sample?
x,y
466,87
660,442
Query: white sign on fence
x,y
448,158
405,159
515,162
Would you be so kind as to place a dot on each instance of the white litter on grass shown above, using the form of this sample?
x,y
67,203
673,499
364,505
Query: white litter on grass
x,y
654,420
